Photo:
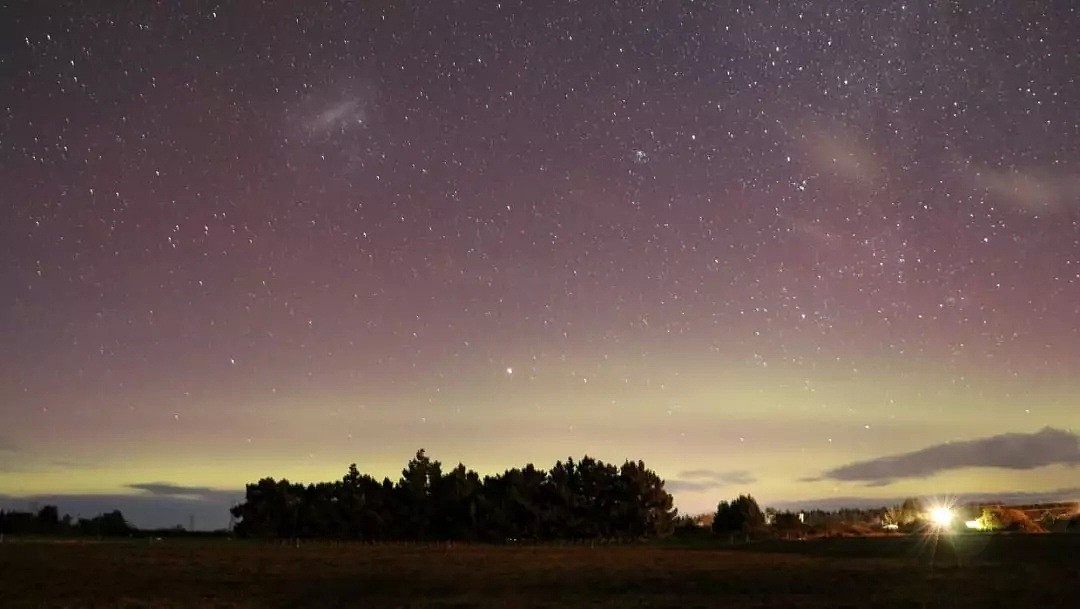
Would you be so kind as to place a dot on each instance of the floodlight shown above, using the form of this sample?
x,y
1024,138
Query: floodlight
x,y
941,516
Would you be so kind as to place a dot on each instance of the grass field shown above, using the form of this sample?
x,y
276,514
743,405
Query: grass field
x,y
1036,572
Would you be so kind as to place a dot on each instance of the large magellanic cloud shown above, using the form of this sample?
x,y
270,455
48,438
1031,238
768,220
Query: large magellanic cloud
x,y
1010,451
332,110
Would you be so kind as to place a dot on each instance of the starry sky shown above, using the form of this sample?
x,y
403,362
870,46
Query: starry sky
x,y
804,250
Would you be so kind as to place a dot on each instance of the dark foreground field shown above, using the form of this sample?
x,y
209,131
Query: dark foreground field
x,y
1037,572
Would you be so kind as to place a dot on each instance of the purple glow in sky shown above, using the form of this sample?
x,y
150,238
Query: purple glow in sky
x,y
753,246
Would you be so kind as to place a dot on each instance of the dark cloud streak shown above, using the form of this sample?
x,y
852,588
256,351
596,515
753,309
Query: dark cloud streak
x,y
165,489
1010,451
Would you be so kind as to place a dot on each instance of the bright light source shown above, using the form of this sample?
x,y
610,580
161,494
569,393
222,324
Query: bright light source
x,y
941,516
973,524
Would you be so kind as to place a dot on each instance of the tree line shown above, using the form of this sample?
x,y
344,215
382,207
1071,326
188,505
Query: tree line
x,y
584,499
47,521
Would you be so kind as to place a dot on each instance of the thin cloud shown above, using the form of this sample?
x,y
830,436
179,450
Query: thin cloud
x,y
1031,191
10,460
25,463
177,491
1017,451
707,479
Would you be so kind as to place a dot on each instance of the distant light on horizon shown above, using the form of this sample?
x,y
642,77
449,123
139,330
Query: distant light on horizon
x,y
942,516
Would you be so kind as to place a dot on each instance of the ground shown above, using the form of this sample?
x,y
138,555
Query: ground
x,y
1029,571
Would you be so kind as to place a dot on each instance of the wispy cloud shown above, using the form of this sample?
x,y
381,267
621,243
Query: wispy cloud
x,y
10,459
1031,191
1010,451
707,479
177,491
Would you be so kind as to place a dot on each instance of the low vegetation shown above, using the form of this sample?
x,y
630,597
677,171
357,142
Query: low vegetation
x,y
994,571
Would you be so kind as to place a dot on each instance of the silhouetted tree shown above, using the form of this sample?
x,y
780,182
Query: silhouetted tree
x,y
19,523
911,510
787,523
456,497
643,508
741,515
109,524
513,505
1073,524
416,495
582,499
48,520
271,509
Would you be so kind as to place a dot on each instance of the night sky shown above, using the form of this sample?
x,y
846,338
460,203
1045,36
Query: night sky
x,y
761,248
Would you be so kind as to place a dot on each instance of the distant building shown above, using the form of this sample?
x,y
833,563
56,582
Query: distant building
x,y
1053,510
704,520
1030,516
770,517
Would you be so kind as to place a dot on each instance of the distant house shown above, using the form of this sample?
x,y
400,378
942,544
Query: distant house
x,y
1053,510
770,516
1031,516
